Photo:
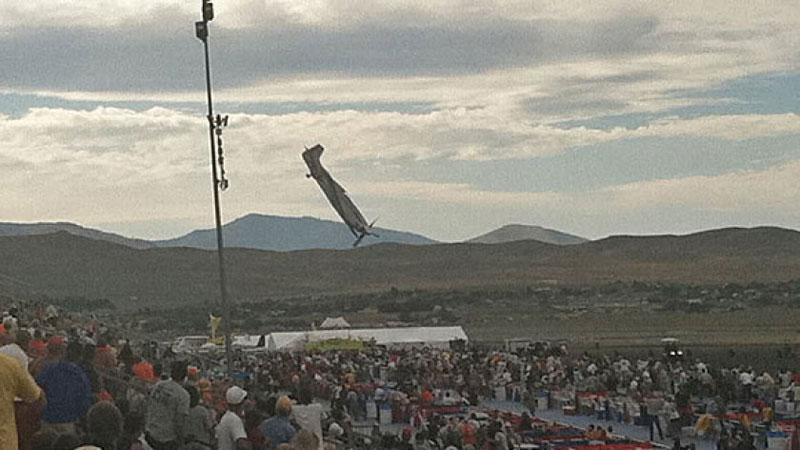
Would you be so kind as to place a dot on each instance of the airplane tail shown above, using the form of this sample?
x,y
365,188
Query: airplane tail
x,y
370,227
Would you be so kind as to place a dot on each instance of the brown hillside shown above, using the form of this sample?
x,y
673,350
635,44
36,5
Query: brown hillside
x,y
61,264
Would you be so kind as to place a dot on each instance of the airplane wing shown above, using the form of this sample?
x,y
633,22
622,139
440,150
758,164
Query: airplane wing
x,y
335,193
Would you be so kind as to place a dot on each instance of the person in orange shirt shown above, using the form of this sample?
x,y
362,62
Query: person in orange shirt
x,y
14,382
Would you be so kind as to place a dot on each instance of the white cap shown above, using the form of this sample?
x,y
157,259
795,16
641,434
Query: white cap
x,y
335,430
235,395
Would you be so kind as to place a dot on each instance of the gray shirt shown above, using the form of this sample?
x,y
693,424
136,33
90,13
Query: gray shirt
x,y
199,425
167,409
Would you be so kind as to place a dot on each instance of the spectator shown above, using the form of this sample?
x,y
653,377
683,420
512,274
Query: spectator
x,y
104,424
14,382
231,434
277,430
55,352
167,410
68,392
199,424
12,344
42,440
67,441
304,440
105,356
38,346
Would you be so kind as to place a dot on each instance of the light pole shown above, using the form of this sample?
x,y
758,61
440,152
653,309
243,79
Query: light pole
x,y
215,126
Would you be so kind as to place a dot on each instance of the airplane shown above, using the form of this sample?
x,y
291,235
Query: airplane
x,y
337,196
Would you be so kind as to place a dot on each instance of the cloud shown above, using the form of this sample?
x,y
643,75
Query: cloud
x,y
161,142
682,205
148,47
162,55
772,189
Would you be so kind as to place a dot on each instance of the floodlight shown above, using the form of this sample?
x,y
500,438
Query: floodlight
x,y
201,30
208,11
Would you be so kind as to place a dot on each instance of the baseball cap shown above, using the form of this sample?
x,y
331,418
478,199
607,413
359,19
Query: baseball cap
x,y
235,395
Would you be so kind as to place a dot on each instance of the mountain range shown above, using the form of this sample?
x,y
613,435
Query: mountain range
x,y
267,232
287,233
517,232
27,229
62,264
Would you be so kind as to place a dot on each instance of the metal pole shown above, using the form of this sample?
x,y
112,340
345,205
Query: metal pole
x,y
226,313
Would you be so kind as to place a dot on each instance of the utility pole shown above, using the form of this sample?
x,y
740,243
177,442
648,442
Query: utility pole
x,y
219,181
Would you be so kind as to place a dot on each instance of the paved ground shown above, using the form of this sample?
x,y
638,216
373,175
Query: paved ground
x,y
631,431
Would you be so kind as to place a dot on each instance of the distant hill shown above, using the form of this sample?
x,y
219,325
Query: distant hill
x,y
25,229
62,264
517,232
265,232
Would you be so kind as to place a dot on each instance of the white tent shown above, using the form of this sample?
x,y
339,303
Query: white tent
x,y
334,322
390,337
248,340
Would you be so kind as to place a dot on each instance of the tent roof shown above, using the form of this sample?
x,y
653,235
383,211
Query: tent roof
x,y
382,336
334,322
246,340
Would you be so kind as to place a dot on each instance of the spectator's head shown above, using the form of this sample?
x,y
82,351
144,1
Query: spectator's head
x,y
335,430
55,346
305,440
134,424
178,371
104,423
283,407
270,405
43,440
235,397
23,338
88,351
158,372
67,442
74,351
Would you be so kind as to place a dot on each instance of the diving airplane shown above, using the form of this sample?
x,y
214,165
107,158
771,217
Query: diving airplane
x,y
337,196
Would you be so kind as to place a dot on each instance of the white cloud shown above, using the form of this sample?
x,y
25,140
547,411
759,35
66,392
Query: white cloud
x,y
772,189
580,60
100,165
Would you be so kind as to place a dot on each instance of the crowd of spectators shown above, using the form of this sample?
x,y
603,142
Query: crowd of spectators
x,y
73,382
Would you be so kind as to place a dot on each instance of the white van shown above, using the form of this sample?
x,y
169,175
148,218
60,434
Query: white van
x,y
189,344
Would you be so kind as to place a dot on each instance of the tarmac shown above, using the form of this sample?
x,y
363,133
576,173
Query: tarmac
x,y
620,429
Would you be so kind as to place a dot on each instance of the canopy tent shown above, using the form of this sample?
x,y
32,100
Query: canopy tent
x,y
391,337
334,322
249,340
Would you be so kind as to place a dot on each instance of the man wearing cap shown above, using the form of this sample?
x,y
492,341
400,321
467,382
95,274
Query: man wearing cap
x,y
277,429
231,434
167,409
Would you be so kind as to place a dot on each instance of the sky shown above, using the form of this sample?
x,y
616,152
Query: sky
x,y
447,118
